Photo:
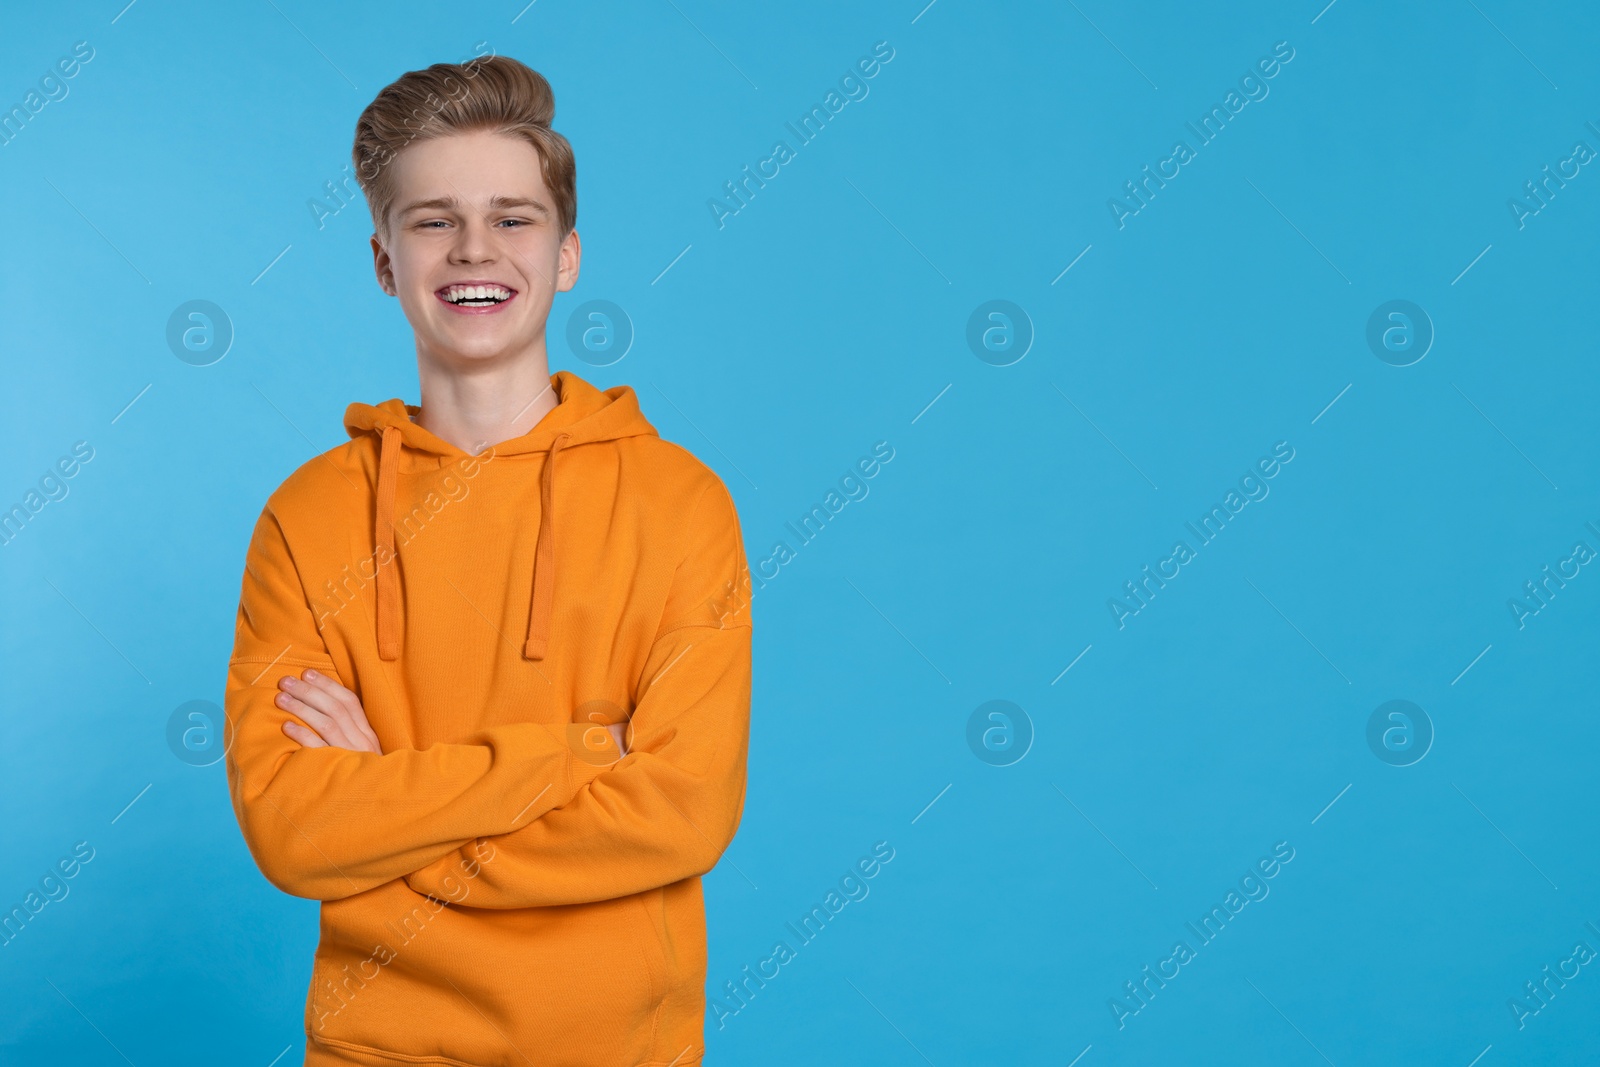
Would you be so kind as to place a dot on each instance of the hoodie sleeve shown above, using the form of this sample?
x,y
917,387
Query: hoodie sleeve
x,y
327,823
669,808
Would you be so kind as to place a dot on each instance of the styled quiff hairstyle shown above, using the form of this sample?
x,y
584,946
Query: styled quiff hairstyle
x,y
495,93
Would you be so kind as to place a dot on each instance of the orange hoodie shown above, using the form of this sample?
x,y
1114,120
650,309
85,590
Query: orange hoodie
x,y
497,887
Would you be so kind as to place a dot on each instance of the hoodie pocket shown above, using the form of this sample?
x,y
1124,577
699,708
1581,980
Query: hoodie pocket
x,y
580,983
650,946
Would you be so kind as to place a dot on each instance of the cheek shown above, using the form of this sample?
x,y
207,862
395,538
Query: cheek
x,y
537,304
414,266
546,254
411,293
536,261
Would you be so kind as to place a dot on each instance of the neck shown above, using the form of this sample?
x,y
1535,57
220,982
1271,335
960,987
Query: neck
x,y
476,407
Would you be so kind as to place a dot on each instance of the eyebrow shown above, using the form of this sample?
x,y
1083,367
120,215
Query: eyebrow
x,y
450,203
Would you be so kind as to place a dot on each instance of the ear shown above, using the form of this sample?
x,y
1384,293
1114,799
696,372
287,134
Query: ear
x,y
567,260
382,267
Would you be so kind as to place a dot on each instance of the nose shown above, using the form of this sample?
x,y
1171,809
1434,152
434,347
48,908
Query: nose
x,y
474,241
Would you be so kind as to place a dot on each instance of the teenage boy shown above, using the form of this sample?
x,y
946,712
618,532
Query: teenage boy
x,y
515,625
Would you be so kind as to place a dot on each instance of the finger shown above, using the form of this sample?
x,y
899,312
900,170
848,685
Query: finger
x,y
358,720
326,683
327,697
369,739
306,737
330,718
347,701
288,701
328,727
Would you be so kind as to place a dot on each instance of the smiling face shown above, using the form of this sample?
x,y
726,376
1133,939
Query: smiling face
x,y
473,250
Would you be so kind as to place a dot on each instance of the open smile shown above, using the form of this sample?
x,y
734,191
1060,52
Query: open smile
x,y
475,298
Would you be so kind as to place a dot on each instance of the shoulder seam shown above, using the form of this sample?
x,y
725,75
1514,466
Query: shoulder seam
x,y
702,464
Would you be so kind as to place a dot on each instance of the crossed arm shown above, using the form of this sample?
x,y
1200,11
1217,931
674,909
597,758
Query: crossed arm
x,y
331,715
327,813
659,807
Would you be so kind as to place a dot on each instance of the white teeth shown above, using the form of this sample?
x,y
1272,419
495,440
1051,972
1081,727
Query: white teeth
x,y
477,295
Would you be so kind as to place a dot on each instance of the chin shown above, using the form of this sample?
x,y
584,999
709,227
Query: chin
x,y
479,350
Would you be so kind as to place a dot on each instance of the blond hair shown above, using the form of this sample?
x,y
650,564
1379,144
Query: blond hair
x,y
494,93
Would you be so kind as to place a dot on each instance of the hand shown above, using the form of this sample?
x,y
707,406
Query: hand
x,y
619,730
331,713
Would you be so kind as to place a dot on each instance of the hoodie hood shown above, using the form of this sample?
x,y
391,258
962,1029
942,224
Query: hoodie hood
x,y
583,415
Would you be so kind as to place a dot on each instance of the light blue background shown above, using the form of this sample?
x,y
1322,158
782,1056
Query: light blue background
x,y
824,317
